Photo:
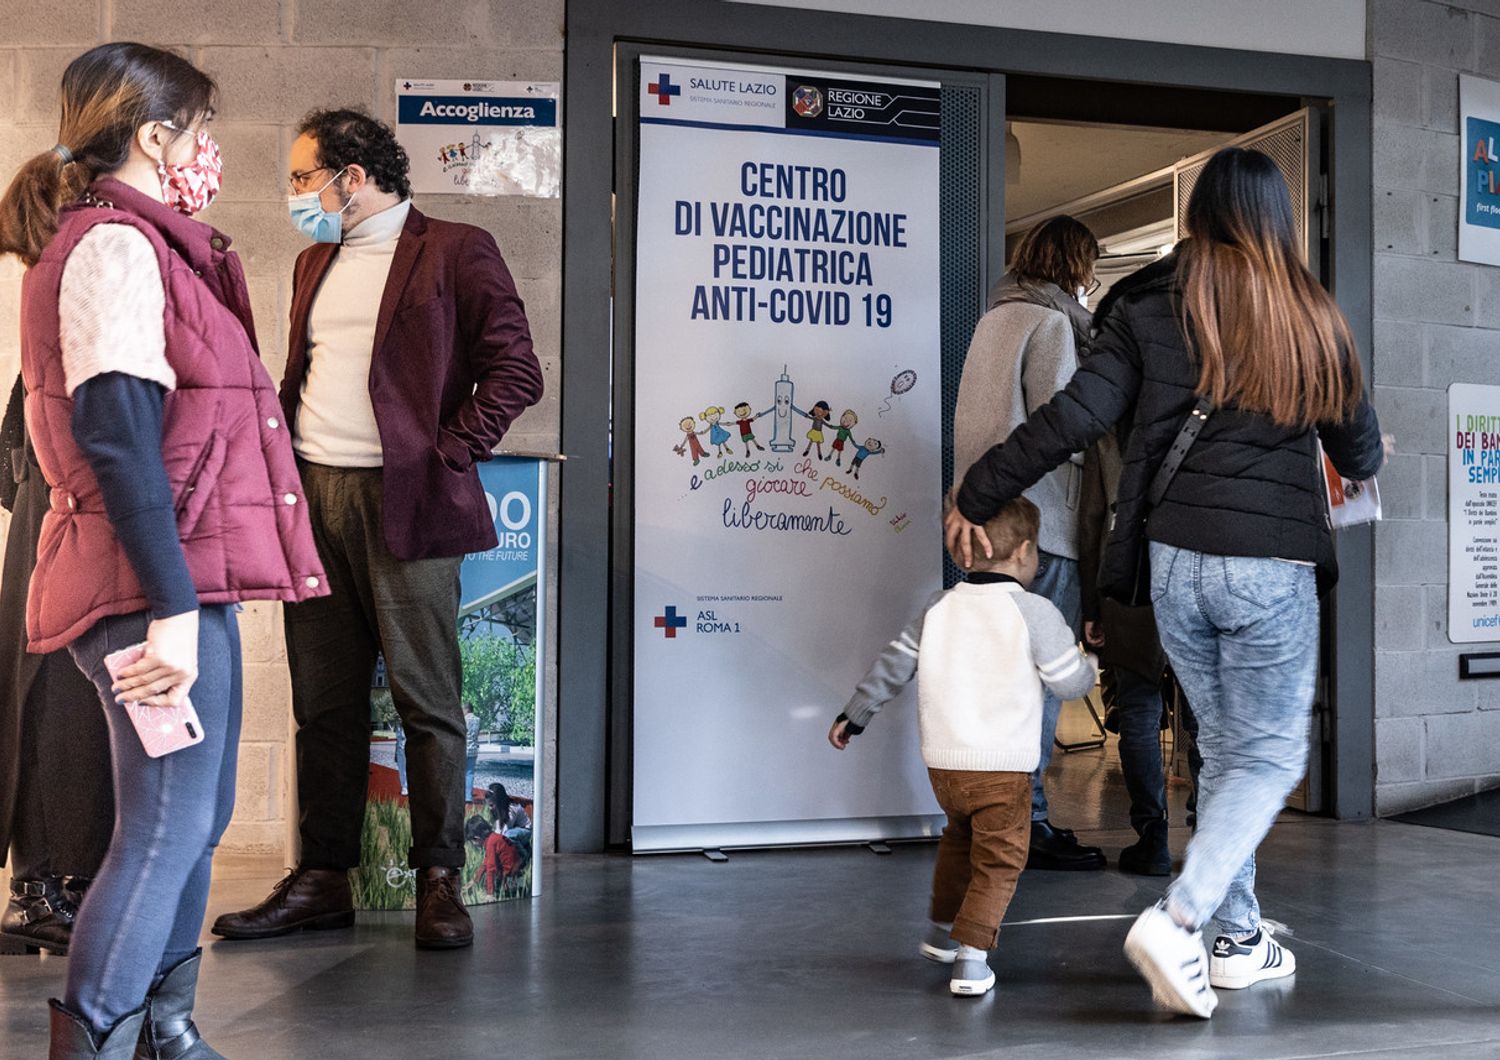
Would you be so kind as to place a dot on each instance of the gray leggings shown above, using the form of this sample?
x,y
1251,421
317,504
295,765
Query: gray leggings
x,y
145,909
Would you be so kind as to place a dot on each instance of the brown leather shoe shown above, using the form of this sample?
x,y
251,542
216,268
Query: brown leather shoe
x,y
442,921
306,900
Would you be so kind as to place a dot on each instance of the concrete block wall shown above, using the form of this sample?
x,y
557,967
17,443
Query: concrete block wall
x,y
1437,322
275,60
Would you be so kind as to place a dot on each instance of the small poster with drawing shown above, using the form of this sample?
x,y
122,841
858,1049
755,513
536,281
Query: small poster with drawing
x,y
481,137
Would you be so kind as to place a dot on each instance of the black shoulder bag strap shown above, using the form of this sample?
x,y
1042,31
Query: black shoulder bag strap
x,y
1191,428
1139,595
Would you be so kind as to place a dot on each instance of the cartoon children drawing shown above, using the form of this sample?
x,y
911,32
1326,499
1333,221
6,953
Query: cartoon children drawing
x,y
819,416
862,452
845,435
746,420
690,441
717,435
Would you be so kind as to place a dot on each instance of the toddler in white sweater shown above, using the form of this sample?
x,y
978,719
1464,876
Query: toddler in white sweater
x,y
984,648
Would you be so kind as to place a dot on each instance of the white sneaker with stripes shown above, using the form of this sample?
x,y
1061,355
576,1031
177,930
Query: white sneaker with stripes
x,y
1172,960
1238,964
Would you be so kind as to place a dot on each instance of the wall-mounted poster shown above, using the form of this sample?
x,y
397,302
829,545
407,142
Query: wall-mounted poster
x,y
500,637
481,137
1473,513
788,448
1479,143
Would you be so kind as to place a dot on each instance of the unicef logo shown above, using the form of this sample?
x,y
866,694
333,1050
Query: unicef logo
x,y
807,101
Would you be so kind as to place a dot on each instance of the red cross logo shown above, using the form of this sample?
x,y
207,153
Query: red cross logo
x,y
664,90
670,622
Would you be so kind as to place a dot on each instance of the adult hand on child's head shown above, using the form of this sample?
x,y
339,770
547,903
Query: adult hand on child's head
x,y
1093,634
839,734
961,536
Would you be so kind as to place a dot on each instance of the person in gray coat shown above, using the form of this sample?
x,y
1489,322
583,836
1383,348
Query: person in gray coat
x,y
1025,349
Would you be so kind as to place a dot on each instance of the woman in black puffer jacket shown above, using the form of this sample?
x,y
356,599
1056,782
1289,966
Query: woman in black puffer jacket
x,y
1235,326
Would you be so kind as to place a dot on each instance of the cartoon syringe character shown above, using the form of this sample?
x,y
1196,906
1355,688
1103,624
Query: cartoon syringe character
x,y
782,440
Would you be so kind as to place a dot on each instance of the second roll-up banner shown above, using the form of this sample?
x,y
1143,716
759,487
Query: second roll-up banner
x,y
788,433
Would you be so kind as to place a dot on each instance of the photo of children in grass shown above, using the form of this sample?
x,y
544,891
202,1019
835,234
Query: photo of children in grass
x,y
498,648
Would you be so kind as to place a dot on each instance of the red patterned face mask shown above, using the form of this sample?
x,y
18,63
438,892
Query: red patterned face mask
x,y
190,188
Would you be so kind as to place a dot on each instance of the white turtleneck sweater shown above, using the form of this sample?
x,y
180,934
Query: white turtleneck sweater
x,y
336,420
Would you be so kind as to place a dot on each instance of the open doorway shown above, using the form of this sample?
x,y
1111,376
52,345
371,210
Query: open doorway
x,y
1117,179
1002,74
1130,182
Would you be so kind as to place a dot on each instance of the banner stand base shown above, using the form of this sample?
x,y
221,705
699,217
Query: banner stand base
x,y
711,839
718,857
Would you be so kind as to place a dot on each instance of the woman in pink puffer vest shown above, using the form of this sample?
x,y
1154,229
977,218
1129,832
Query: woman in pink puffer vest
x,y
175,496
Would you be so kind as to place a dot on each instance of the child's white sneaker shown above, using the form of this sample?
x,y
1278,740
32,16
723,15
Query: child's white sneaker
x,y
1172,960
938,945
1236,965
972,976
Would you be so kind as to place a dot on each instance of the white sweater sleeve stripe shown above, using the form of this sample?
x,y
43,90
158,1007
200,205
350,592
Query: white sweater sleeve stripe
x,y
1061,677
890,673
1055,648
1062,666
111,309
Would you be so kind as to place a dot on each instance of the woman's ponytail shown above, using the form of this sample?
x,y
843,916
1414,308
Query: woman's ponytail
x,y
28,209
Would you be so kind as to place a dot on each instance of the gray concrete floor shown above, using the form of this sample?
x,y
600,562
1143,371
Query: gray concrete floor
x,y
811,954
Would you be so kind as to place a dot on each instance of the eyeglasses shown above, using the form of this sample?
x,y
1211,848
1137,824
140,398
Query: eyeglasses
x,y
299,181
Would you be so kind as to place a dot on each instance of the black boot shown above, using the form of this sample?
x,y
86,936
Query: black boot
x,y
74,1039
1150,855
1058,848
75,887
40,915
169,1033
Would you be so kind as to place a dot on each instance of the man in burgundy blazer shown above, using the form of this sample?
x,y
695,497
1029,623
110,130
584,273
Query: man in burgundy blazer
x,y
410,358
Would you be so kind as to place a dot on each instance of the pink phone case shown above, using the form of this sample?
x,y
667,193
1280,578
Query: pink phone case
x,y
162,729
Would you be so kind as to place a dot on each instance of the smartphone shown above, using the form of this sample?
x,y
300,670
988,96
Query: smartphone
x,y
162,730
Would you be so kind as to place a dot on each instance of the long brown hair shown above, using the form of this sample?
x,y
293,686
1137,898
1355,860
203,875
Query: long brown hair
x,y
108,93
1059,250
1269,337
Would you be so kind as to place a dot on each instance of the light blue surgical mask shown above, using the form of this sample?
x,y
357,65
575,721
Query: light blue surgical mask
x,y
312,220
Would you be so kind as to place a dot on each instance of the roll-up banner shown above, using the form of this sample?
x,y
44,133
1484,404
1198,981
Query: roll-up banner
x,y
500,641
788,433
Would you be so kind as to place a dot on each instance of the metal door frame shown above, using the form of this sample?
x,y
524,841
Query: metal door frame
x,y
595,27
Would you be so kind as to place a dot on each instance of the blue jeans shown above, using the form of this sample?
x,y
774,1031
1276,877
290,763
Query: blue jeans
x,y
1138,709
470,763
1057,580
1242,634
1194,758
144,912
